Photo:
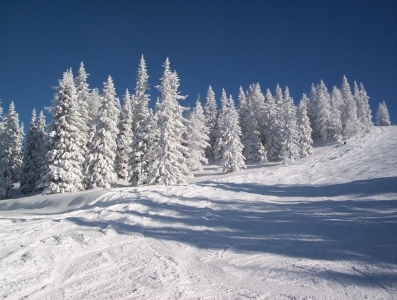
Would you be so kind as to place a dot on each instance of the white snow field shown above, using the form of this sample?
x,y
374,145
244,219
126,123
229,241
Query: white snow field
x,y
324,227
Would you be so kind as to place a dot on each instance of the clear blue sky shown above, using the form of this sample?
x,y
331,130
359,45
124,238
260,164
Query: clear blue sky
x,y
220,43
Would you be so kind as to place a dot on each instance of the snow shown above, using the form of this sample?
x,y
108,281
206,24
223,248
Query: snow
x,y
323,227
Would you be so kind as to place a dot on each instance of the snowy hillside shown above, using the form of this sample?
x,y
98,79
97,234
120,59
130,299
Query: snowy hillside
x,y
324,227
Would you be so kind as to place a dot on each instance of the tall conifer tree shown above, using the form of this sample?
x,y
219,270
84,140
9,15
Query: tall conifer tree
x,y
62,171
170,164
101,159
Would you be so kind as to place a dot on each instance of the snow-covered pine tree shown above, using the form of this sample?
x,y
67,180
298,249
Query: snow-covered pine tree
x,y
257,99
211,114
250,137
242,109
62,171
1,120
124,140
290,135
101,159
312,110
94,103
321,107
349,113
41,138
30,170
220,128
335,121
304,128
232,148
382,115
197,138
270,108
170,166
274,128
327,123
363,110
143,128
10,152
83,99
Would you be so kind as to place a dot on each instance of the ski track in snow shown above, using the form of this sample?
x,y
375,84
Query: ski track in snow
x,y
320,228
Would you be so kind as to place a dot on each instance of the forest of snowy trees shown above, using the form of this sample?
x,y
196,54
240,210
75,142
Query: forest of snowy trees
x,y
93,140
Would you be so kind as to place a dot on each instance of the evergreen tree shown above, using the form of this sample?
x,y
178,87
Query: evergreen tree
x,y
311,110
1,120
170,166
335,121
10,152
257,100
232,148
101,159
253,148
349,113
83,100
290,135
94,103
62,171
304,129
211,114
327,122
124,140
143,129
41,140
274,133
382,115
30,170
197,138
220,128
363,110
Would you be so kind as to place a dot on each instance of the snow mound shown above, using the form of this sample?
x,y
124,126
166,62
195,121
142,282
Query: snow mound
x,y
323,227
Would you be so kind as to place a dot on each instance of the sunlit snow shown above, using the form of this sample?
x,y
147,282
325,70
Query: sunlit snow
x,y
324,227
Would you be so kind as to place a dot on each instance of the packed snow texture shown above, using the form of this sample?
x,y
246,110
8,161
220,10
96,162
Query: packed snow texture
x,y
323,227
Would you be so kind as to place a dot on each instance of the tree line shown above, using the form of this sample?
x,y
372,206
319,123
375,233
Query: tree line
x,y
93,140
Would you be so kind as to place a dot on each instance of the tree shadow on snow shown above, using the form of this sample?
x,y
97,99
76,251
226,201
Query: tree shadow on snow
x,y
320,229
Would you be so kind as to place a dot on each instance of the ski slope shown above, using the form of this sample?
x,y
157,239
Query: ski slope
x,y
324,227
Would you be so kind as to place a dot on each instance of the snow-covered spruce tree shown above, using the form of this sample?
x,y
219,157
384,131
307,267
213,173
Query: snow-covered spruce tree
x,y
211,114
382,115
10,152
62,171
101,159
42,141
321,107
253,148
304,129
30,170
220,128
170,166
94,103
197,138
257,99
349,114
327,123
232,148
83,99
363,110
311,109
1,120
274,138
124,140
335,121
142,128
290,135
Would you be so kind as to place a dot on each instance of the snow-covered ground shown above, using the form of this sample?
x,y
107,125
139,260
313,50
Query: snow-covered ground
x,y
324,227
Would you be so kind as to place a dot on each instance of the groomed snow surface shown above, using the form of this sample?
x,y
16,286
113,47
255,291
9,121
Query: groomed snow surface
x,y
324,227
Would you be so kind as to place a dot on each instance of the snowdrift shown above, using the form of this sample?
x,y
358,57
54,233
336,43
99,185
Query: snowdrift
x,y
320,228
